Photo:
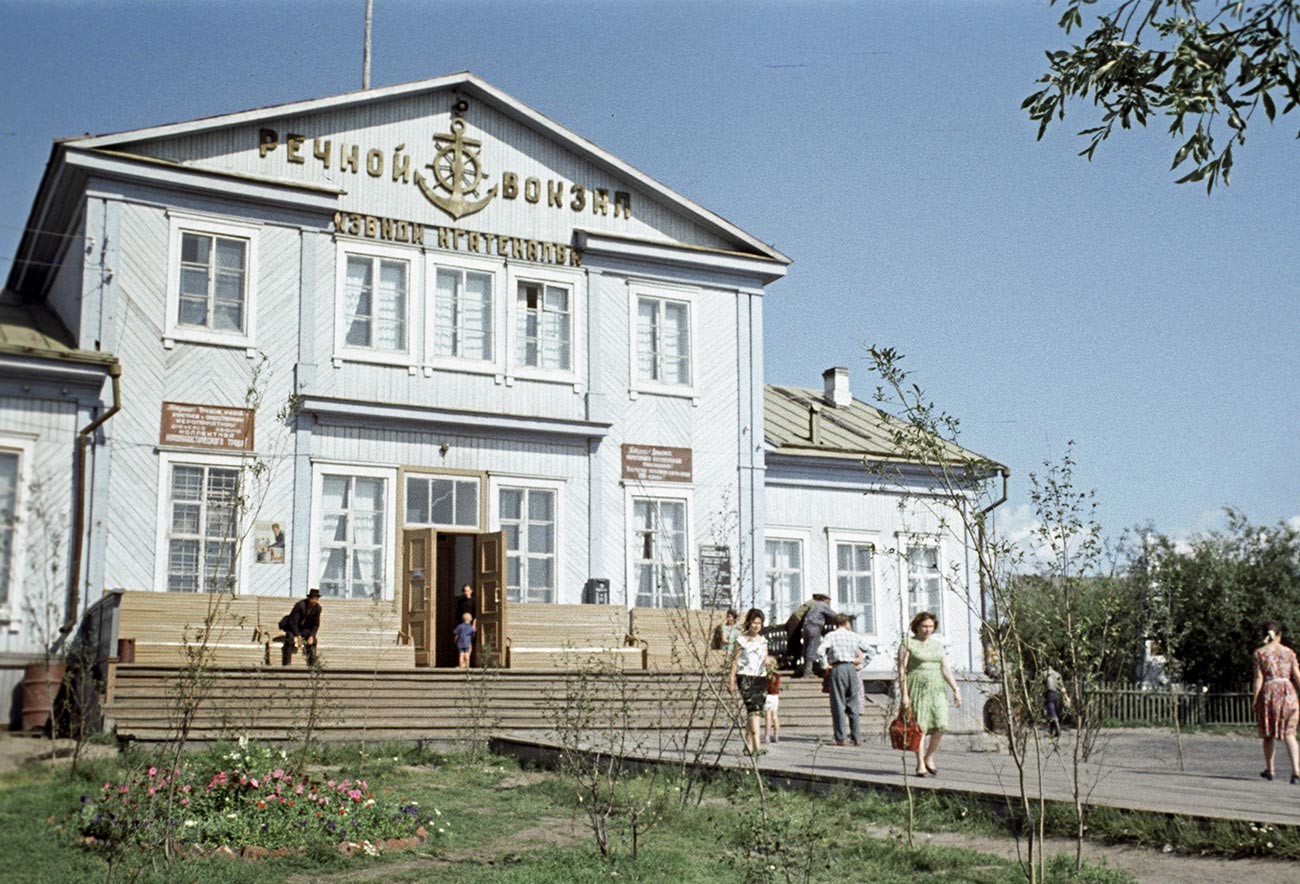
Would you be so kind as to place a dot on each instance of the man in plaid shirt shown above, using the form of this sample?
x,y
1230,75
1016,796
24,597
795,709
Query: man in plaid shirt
x,y
840,652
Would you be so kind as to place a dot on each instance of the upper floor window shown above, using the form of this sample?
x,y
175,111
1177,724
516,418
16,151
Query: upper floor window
x,y
450,501
376,304
663,341
545,326
924,581
212,281
463,315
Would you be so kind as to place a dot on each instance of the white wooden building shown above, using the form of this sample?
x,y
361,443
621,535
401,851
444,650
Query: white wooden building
x,y
432,337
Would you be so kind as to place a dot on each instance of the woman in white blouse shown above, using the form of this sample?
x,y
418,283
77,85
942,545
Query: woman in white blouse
x,y
749,675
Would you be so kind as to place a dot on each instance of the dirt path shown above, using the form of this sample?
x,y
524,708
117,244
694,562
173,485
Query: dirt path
x,y
18,751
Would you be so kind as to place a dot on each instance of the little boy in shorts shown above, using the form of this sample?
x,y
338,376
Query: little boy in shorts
x,y
771,722
465,638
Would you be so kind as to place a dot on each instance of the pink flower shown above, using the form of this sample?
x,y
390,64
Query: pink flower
x,y
184,802
277,773
253,783
298,789
152,790
153,772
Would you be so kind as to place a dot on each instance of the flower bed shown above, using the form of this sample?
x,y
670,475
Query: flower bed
x,y
243,797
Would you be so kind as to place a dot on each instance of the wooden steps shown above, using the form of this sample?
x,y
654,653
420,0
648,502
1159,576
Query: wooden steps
x,y
275,704
570,637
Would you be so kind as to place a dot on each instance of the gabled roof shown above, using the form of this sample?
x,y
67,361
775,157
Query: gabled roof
x,y
470,85
858,430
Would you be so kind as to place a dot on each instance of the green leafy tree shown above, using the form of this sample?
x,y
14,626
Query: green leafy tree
x,y
1208,597
1200,63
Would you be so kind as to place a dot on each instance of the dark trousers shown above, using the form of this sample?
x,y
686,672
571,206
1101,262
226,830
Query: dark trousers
x,y
844,702
1052,702
812,642
286,653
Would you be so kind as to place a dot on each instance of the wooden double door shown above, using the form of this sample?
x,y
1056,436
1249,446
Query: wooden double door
x,y
435,564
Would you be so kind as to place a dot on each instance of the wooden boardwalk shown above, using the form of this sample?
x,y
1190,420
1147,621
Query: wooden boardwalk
x,y
1136,770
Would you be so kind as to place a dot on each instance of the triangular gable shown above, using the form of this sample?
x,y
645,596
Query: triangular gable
x,y
396,153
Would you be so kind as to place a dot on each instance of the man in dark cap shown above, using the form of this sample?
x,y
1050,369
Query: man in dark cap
x,y
300,627
819,613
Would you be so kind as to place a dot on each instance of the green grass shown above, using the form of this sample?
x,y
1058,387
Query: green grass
x,y
516,827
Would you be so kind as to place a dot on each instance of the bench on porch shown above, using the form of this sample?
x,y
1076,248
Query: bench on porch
x,y
678,638
569,637
167,628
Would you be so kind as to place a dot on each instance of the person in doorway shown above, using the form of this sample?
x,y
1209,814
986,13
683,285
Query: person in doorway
x,y
922,672
772,703
1052,696
464,633
840,652
814,624
1277,676
467,604
747,675
300,627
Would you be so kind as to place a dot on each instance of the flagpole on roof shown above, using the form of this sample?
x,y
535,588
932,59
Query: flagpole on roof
x,y
365,54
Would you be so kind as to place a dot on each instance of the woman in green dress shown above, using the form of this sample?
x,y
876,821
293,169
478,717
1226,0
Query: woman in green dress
x,y
922,672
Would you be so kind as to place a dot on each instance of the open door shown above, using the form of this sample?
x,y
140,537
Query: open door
x,y
419,558
490,587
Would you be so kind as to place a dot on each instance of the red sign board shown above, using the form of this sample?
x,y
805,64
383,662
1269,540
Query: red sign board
x,y
656,463
206,426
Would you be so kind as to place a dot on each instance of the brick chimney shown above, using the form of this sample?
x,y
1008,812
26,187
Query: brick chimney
x,y
836,387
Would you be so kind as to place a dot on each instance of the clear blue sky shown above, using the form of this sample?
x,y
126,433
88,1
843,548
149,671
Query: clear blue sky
x,y
881,145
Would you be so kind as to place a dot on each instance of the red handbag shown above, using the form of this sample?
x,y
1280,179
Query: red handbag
x,y
905,733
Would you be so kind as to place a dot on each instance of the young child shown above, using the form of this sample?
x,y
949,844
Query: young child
x,y
465,638
772,723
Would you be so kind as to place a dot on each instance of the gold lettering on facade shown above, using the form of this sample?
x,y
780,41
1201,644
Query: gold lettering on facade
x,y
622,204
321,150
375,162
348,159
267,141
532,190
509,185
579,197
600,201
555,194
401,164
293,148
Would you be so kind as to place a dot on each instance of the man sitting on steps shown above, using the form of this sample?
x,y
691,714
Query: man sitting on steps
x,y
300,627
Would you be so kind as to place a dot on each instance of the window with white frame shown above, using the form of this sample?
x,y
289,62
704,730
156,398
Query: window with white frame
x,y
784,576
663,341
544,332
855,584
446,501
659,552
463,315
924,580
202,527
376,304
527,516
212,281
10,473
353,549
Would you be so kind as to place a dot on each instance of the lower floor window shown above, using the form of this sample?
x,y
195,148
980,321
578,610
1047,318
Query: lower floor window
x,y
352,542
528,520
659,553
855,585
784,576
203,530
8,519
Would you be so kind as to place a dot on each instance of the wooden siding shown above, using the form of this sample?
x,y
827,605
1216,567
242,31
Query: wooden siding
x,y
878,514
52,424
64,297
508,146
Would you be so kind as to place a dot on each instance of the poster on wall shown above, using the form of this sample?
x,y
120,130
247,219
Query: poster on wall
x,y
268,543
715,577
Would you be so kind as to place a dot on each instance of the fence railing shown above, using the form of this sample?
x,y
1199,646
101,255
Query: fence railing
x,y
1135,704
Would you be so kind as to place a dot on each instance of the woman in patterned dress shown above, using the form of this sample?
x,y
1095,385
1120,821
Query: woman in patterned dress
x,y
748,675
1275,698
922,672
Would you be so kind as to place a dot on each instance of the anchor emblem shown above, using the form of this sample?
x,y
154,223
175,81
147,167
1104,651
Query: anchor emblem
x,y
457,170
